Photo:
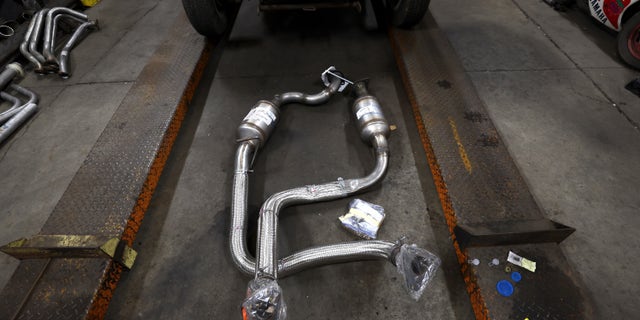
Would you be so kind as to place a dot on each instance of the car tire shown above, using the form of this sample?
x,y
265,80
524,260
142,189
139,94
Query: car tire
x,y
208,17
629,41
407,13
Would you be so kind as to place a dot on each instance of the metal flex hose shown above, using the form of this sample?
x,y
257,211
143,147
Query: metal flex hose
x,y
252,134
47,49
305,259
374,129
17,104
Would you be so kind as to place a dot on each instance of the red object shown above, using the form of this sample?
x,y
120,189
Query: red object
x,y
612,9
633,42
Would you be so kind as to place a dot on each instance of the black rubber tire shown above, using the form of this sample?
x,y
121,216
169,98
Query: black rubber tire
x,y
407,13
630,33
208,17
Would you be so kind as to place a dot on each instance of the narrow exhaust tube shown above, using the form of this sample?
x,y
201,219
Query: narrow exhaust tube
x,y
47,49
64,54
42,28
22,113
11,71
16,121
35,38
24,46
53,60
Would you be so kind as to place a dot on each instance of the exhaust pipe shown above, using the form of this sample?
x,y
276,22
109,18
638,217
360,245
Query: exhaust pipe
x,y
13,109
54,27
20,114
265,300
64,54
35,38
24,46
47,49
16,121
11,71
44,24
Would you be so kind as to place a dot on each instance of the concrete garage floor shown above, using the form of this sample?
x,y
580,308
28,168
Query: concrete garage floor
x,y
551,84
39,160
555,90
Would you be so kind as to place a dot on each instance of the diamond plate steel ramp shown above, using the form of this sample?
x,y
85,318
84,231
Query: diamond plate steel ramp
x,y
111,191
478,182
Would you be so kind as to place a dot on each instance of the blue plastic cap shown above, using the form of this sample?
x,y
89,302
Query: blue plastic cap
x,y
505,288
516,276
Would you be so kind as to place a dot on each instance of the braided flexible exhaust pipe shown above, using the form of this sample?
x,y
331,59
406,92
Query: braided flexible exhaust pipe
x,y
374,130
252,134
264,296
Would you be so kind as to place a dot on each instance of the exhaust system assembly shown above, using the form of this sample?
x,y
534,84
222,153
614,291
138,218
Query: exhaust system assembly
x,y
19,112
264,295
44,25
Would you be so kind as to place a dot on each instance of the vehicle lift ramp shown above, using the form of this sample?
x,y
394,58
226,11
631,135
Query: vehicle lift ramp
x,y
72,267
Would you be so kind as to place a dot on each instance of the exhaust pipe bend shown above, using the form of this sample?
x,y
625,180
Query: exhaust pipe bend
x,y
51,58
267,260
64,54
18,105
24,46
35,38
305,259
13,109
337,253
10,72
312,100
33,97
23,113
47,49
373,129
